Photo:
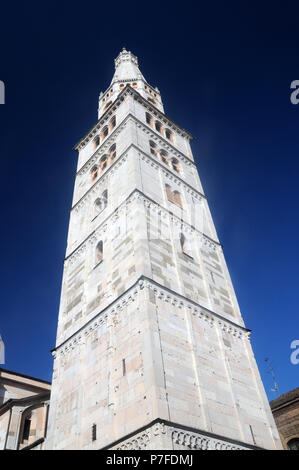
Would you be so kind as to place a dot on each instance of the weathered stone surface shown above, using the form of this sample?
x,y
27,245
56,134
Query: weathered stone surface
x,y
157,333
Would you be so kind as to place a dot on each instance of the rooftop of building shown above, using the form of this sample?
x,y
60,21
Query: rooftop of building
x,y
5,373
286,398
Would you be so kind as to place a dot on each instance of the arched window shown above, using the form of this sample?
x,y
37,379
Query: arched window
x,y
175,165
108,105
112,123
158,127
96,142
293,444
94,173
99,252
121,86
169,135
185,245
164,156
135,85
153,148
149,119
151,101
177,199
97,206
103,162
112,153
169,193
104,132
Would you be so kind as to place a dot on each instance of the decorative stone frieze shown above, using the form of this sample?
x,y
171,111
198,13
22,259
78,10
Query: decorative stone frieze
x,y
163,436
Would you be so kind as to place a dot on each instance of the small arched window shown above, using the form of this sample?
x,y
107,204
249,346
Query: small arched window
x,y
97,206
158,127
169,193
164,157
94,173
149,119
96,142
105,198
108,105
293,444
103,162
153,148
151,101
177,199
112,123
112,153
99,252
175,165
105,132
135,85
169,135
185,245
121,86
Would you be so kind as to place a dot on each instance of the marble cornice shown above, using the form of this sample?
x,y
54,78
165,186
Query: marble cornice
x,y
187,437
128,90
104,147
161,116
148,158
136,194
99,152
109,314
166,144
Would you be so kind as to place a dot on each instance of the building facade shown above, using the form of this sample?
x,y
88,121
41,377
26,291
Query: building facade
x,y
285,410
151,349
24,404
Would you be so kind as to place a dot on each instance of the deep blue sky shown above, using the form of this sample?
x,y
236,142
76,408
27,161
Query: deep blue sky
x,y
224,71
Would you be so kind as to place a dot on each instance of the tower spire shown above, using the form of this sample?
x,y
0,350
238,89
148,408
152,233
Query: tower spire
x,y
126,67
127,72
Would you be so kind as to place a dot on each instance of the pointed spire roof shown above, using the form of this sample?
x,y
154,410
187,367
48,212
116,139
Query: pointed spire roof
x,y
126,67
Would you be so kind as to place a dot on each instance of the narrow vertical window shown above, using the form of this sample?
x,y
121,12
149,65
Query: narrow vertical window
x,y
94,432
175,165
105,198
169,135
112,123
149,119
99,252
104,132
97,206
153,148
158,127
169,193
177,199
124,366
96,142
164,157
112,153
94,173
103,162
185,245
26,430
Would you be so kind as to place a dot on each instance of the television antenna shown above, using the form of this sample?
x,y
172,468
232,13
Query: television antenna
x,y
271,371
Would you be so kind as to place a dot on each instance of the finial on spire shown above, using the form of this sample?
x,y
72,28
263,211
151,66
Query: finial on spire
x,y
124,49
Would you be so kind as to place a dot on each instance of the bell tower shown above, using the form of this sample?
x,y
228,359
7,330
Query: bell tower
x,y
151,349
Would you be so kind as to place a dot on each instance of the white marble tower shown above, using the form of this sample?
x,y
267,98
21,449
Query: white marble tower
x,y
151,350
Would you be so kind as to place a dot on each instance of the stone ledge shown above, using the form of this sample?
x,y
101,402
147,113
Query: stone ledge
x,y
164,435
